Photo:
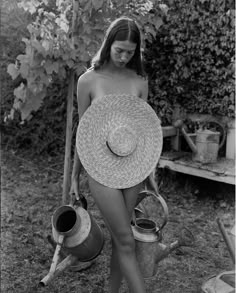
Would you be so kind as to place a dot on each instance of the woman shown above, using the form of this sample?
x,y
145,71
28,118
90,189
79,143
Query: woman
x,y
117,68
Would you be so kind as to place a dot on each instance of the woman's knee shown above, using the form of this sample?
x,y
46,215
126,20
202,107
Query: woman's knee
x,y
125,242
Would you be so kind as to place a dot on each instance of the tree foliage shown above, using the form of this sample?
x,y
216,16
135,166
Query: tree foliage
x,y
57,42
64,36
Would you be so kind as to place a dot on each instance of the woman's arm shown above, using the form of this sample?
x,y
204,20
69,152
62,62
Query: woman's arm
x,y
83,100
143,87
145,90
150,181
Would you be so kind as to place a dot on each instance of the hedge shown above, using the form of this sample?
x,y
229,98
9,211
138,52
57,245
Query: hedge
x,y
191,61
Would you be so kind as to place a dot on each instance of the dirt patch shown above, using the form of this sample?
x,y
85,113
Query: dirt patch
x,y
31,191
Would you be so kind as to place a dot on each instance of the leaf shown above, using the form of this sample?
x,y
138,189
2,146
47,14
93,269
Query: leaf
x,y
70,63
84,57
30,6
232,96
164,8
33,103
51,66
80,68
150,30
97,4
22,58
26,101
20,94
11,115
37,45
62,24
24,70
33,30
47,44
11,69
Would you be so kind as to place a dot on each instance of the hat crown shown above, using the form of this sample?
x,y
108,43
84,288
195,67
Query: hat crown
x,y
122,140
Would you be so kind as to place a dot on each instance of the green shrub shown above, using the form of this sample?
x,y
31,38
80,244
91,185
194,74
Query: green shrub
x,y
45,131
191,61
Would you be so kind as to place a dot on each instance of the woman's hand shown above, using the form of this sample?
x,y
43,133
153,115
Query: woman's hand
x,y
74,190
76,198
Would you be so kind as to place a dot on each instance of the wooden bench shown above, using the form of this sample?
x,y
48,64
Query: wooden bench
x,y
181,161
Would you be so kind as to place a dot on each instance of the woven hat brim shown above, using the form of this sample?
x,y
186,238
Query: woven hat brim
x,y
105,114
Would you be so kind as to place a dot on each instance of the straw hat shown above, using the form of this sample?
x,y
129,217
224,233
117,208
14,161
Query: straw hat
x,y
119,140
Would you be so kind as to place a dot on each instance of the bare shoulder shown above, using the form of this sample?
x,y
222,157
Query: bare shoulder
x,y
143,80
86,78
84,89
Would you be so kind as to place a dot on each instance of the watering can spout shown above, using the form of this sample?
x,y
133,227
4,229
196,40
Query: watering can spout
x,y
164,250
186,238
62,266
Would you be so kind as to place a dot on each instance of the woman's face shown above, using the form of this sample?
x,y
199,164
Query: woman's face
x,y
122,52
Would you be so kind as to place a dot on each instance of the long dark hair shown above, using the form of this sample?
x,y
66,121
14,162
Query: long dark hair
x,y
122,29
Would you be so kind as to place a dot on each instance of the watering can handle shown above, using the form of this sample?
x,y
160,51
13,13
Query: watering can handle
x,y
163,203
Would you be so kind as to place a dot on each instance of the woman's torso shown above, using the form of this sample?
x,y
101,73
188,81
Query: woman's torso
x,y
103,83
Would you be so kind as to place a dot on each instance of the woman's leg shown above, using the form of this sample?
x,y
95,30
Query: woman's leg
x,y
130,196
115,271
112,205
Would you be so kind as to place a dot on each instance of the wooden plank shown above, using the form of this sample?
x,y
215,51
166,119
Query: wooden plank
x,y
173,156
226,176
221,166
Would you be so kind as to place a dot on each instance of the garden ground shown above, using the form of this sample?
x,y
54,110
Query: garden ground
x,y
32,189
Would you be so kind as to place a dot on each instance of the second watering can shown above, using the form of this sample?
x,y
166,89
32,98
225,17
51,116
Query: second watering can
x,y
206,146
148,238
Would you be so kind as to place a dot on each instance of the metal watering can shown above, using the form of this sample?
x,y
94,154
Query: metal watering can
x,y
148,236
207,144
75,231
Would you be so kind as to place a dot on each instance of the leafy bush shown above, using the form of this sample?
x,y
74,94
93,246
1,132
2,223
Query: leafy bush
x,y
45,132
191,61
56,45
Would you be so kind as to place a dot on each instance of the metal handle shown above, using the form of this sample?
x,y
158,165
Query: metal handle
x,y
222,130
81,201
163,203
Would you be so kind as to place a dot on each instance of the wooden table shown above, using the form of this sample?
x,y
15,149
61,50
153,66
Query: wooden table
x,y
223,170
